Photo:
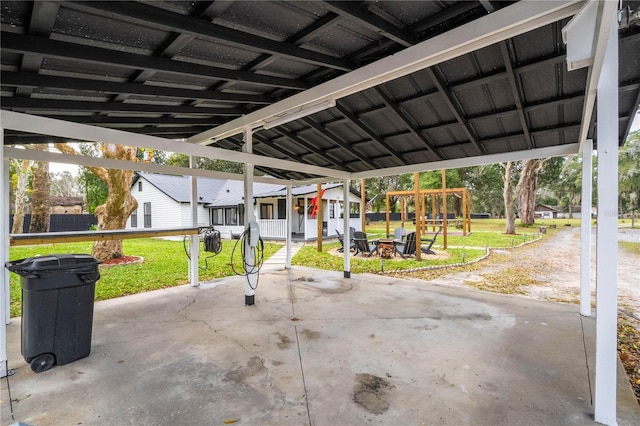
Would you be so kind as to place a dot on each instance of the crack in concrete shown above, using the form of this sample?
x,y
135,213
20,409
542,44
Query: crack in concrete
x,y
209,326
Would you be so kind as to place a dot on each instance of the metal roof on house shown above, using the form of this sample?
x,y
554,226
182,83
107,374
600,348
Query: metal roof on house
x,y
232,193
301,190
545,207
220,192
176,69
178,187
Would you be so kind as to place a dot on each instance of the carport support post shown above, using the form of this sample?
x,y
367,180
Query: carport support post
x,y
4,256
444,208
289,216
419,215
249,216
194,278
607,234
346,236
585,225
319,217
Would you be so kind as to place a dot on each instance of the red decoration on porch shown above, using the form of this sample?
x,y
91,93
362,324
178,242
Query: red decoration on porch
x,y
314,203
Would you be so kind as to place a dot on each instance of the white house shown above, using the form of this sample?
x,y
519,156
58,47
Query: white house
x,y
164,202
544,211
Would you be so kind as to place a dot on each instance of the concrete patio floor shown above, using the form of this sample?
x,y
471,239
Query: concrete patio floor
x,y
321,350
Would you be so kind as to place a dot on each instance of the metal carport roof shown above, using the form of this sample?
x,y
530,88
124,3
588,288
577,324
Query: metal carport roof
x,y
178,69
394,87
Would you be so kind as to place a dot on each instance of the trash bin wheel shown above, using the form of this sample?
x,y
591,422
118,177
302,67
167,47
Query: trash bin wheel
x,y
42,362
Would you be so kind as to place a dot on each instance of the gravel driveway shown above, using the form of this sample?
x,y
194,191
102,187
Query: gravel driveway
x,y
555,263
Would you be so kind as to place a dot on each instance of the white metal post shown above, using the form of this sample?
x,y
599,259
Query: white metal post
x,y
4,256
607,235
347,235
585,226
289,217
249,215
194,273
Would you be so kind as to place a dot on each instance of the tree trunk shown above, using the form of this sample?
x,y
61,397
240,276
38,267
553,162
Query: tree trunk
x,y
509,199
41,186
526,188
113,214
22,167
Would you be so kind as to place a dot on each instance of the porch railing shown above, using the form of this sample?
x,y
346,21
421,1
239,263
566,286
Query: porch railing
x,y
273,228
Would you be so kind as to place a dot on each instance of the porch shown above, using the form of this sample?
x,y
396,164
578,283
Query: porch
x,y
276,229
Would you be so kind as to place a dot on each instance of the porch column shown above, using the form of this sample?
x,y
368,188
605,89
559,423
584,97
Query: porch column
x,y
194,278
289,227
306,207
607,234
249,218
585,226
319,216
346,235
4,256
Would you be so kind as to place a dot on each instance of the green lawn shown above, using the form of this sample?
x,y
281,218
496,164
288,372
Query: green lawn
x,y
484,232
630,247
309,256
165,265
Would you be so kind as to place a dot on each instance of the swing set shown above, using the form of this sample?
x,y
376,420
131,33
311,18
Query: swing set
x,y
436,218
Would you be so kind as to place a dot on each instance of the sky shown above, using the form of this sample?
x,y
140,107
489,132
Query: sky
x,y
59,168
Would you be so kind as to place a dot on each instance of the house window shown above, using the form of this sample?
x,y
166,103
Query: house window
x,y
139,186
147,215
134,218
241,214
266,211
217,216
309,206
231,216
354,208
332,210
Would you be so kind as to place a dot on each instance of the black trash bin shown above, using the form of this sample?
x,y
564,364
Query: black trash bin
x,y
57,307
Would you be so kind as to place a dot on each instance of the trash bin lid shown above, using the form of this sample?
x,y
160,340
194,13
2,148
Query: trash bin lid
x,y
51,262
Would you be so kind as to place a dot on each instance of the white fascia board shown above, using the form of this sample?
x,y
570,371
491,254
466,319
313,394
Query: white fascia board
x,y
82,160
523,16
579,34
607,12
552,151
83,132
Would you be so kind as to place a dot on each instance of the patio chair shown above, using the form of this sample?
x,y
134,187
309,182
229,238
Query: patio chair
x,y
363,245
406,248
398,235
352,244
427,250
